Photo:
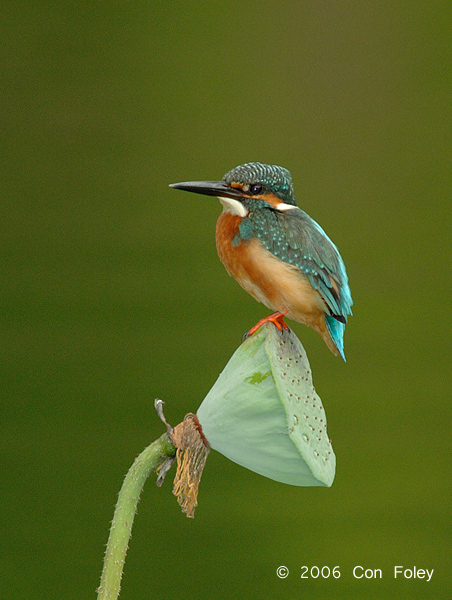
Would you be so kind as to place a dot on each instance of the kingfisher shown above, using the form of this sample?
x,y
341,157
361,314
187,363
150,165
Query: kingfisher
x,y
277,252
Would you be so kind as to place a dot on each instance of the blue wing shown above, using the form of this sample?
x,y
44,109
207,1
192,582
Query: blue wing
x,y
310,249
300,241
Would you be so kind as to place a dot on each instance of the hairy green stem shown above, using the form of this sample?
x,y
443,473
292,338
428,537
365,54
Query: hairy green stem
x,y
126,506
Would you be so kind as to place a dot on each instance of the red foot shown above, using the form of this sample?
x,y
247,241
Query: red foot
x,y
276,318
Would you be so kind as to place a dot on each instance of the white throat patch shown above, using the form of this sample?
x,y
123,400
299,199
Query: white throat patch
x,y
233,206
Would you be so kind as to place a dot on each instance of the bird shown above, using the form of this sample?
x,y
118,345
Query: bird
x,y
277,252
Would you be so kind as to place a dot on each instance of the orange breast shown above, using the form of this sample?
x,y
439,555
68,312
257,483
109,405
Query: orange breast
x,y
240,261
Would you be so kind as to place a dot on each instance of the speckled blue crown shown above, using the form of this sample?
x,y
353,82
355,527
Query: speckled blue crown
x,y
275,179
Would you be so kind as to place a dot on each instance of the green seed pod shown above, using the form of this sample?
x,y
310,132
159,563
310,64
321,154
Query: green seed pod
x,y
264,414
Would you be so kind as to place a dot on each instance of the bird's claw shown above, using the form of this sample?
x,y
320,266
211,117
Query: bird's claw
x,y
276,318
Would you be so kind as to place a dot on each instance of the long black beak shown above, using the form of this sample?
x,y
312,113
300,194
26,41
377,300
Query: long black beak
x,y
209,188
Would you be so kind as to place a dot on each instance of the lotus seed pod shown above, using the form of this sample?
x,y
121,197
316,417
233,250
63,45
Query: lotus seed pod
x,y
264,413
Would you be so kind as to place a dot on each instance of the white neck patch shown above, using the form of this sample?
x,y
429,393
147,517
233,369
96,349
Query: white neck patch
x,y
284,206
233,206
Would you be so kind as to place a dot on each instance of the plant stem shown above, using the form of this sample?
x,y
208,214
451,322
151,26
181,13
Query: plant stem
x,y
126,506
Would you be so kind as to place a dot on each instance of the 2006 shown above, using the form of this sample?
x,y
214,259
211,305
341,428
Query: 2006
x,y
315,572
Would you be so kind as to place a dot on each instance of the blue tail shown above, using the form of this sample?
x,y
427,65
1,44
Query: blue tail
x,y
336,329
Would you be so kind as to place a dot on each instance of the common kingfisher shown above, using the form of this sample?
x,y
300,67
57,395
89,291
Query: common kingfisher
x,y
277,253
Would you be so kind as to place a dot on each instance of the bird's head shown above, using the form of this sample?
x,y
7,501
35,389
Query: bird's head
x,y
248,187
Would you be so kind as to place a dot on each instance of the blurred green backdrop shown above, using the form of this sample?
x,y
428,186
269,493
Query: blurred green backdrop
x,y
112,293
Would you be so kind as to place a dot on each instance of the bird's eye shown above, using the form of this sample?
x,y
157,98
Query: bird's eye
x,y
255,189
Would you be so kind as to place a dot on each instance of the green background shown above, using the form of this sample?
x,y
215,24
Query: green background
x,y
112,293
